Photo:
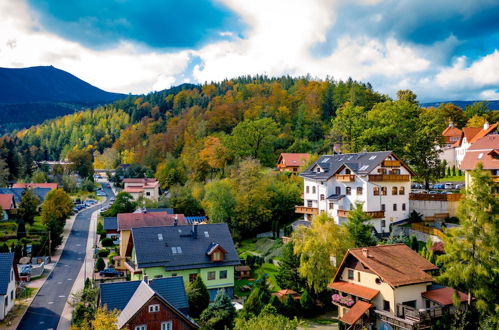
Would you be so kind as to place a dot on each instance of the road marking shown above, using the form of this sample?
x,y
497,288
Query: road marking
x,y
42,322
62,296
59,282
70,279
79,258
51,302
78,244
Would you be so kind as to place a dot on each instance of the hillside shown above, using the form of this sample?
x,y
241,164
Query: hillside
x,y
31,95
493,105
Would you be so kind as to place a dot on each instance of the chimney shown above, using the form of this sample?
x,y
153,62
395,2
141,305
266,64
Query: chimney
x,y
175,221
451,124
364,252
194,231
486,125
145,279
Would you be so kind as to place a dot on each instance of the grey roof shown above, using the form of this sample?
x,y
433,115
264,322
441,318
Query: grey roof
x,y
18,192
111,223
172,289
116,295
151,251
335,197
6,260
360,163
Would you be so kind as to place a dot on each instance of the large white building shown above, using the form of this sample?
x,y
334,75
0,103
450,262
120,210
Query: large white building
x,y
379,181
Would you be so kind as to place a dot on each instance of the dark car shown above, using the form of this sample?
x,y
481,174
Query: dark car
x,y
110,272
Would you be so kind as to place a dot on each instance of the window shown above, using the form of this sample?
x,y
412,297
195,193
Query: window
x,y
217,256
206,234
394,190
349,191
192,277
395,171
403,206
376,191
386,305
480,155
358,276
338,190
160,237
381,171
359,190
166,325
347,171
12,295
428,304
331,206
309,203
350,274
153,308
222,275
411,303
395,207
402,191
313,190
176,249
307,189
363,168
382,207
383,223
174,274
141,327
318,170
148,193
211,276
322,197
383,191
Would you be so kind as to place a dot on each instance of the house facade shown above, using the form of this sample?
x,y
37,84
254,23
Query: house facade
x,y
7,284
149,188
292,162
486,152
379,181
7,206
390,286
205,250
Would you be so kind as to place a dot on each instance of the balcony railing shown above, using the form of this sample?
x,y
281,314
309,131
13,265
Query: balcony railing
x,y
389,177
427,230
391,163
132,267
345,177
306,210
372,214
408,317
435,197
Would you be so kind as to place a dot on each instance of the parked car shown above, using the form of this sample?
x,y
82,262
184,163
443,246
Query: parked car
x,y
112,199
417,186
459,186
110,272
25,270
101,193
449,186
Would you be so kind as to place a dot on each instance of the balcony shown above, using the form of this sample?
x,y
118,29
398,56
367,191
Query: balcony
x,y
306,210
389,177
495,178
410,318
130,266
372,214
391,163
345,177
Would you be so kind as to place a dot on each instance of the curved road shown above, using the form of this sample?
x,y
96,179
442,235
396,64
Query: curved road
x,y
46,309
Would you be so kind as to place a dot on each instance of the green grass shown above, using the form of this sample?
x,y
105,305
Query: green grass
x,y
456,178
264,247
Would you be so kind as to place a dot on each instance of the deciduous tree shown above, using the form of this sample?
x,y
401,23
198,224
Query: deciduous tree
x,y
57,205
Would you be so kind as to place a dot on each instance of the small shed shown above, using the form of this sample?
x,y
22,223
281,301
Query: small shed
x,y
281,294
243,271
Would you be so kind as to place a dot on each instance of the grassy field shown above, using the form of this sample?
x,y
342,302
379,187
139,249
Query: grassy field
x,y
457,178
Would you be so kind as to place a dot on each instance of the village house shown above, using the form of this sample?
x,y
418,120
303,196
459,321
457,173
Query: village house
x,y
159,304
486,152
149,188
110,226
7,206
8,275
127,221
379,181
389,286
205,250
50,186
291,162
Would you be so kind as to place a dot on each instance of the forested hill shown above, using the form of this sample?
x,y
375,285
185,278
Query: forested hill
x,y
30,95
493,104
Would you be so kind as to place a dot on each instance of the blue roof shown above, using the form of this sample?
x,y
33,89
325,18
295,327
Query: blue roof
x,y
157,246
18,192
111,223
191,220
6,260
172,290
116,295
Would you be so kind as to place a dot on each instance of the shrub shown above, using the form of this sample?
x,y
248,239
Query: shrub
x,y
198,296
100,264
103,253
107,242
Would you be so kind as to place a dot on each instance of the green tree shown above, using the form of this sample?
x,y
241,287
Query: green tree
x,y
470,261
307,304
407,95
258,298
57,205
219,201
453,170
81,163
4,173
100,264
220,313
198,297
254,138
287,276
170,172
361,231
348,126
28,207
123,204
477,109
321,248
4,248
268,319
182,200
21,229
39,176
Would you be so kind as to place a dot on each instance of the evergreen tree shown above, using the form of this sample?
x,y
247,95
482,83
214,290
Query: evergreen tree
x,y
258,298
21,229
453,170
307,304
470,261
100,264
4,248
276,303
413,243
290,306
198,296
287,276
360,230
220,313
448,171
28,208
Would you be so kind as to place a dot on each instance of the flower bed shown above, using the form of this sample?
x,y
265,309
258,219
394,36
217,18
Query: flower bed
x,y
345,301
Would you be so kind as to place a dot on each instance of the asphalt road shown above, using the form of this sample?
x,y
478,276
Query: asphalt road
x,y
46,309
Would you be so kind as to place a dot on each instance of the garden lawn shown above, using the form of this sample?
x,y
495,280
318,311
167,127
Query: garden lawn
x,y
457,178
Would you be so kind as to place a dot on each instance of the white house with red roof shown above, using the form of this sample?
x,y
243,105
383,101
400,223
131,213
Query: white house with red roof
x,y
7,204
485,151
292,161
147,187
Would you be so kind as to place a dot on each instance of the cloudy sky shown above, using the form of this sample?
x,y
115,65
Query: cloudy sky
x,y
441,49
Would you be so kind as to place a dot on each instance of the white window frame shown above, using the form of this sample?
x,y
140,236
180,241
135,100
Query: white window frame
x,y
168,325
154,308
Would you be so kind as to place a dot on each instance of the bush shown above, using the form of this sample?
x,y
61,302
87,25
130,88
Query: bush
x,y
110,257
107,242
103,253
198,296
100,264
307,304
100,229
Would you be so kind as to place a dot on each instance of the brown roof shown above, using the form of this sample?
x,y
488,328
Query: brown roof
x,y
452,131
395,264
443,296
6,201
292,159
243,268
35,185
356,312
127,221
484,132
484,151
146,183
133,189
354,289
470,132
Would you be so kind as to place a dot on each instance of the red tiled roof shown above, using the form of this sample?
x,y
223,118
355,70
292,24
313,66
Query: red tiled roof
x,y
452,131
133,189
354,289
127,221
293,159
6,201
470,132
443,296
484,132
396,264
35,185
356,312
484,151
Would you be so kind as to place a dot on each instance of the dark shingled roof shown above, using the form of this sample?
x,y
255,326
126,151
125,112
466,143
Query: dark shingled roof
x,y
167,210
18,192
116,295
151,251
111,223
6,260
359,163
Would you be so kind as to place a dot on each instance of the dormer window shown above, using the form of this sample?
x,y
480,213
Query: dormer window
x,y
217,256
216,252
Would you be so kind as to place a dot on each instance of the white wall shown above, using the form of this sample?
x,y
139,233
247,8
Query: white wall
x,y
11,292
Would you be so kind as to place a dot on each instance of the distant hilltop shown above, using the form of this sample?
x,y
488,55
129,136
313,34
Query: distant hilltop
x,y
493,105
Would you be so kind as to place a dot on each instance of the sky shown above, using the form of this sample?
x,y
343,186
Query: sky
x,y
440,49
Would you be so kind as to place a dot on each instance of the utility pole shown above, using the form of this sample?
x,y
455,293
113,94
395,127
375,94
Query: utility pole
x,y
50,245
